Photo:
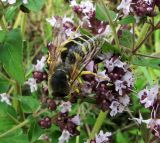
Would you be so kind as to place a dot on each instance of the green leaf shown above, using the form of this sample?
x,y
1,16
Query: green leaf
x,y
126,39
11,12
127,20
35,5
4,85
101,14
2,35
11,55
34,131
153,63
7,116
41,141
107,47
14,139
121,138
29,104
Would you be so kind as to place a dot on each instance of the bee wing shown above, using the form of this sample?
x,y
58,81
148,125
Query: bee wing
x,y
55,46
58,43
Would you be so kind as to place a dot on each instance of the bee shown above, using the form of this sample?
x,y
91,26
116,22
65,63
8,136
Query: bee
x,y
68,60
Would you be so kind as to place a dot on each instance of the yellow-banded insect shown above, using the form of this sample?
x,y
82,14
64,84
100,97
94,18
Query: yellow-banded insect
x,y
69,59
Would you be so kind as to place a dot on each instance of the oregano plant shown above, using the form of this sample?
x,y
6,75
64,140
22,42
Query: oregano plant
x,y
79,71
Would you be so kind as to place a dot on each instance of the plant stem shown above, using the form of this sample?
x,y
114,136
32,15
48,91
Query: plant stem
x,y
133,36
111,25
23,24
15,128
78,137
2,4
88,129
6,78
143,32
125,128
19,107
143,38
148,56
100,119
3,24
34,115
18,20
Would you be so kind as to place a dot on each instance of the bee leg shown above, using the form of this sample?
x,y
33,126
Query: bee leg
x,y
88,72
49,59
98,76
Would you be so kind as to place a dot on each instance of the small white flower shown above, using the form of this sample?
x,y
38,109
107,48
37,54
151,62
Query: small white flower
x,y
107,31
102,137
71,33
86,88
124,100
25,1
125,6
148,1
32,83
52,21
65,107
110,64
85,21
11,1
139,120
73,3
40,64
67,19
148,97
116,107
76,120
14,1
153,124
64,137
142,93
128,77
119,85
5,98
87,6
90,66
102,76
45,137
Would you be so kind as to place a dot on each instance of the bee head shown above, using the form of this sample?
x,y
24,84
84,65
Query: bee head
x,y
60,83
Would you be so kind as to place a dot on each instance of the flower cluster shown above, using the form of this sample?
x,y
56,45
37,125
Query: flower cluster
x,y
45,122
64,26
50,103
153,124
38,74
150,99
112,85
87,15
139,7
66,122
102,137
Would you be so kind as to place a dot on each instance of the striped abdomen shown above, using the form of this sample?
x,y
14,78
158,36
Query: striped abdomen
x,y
78,48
